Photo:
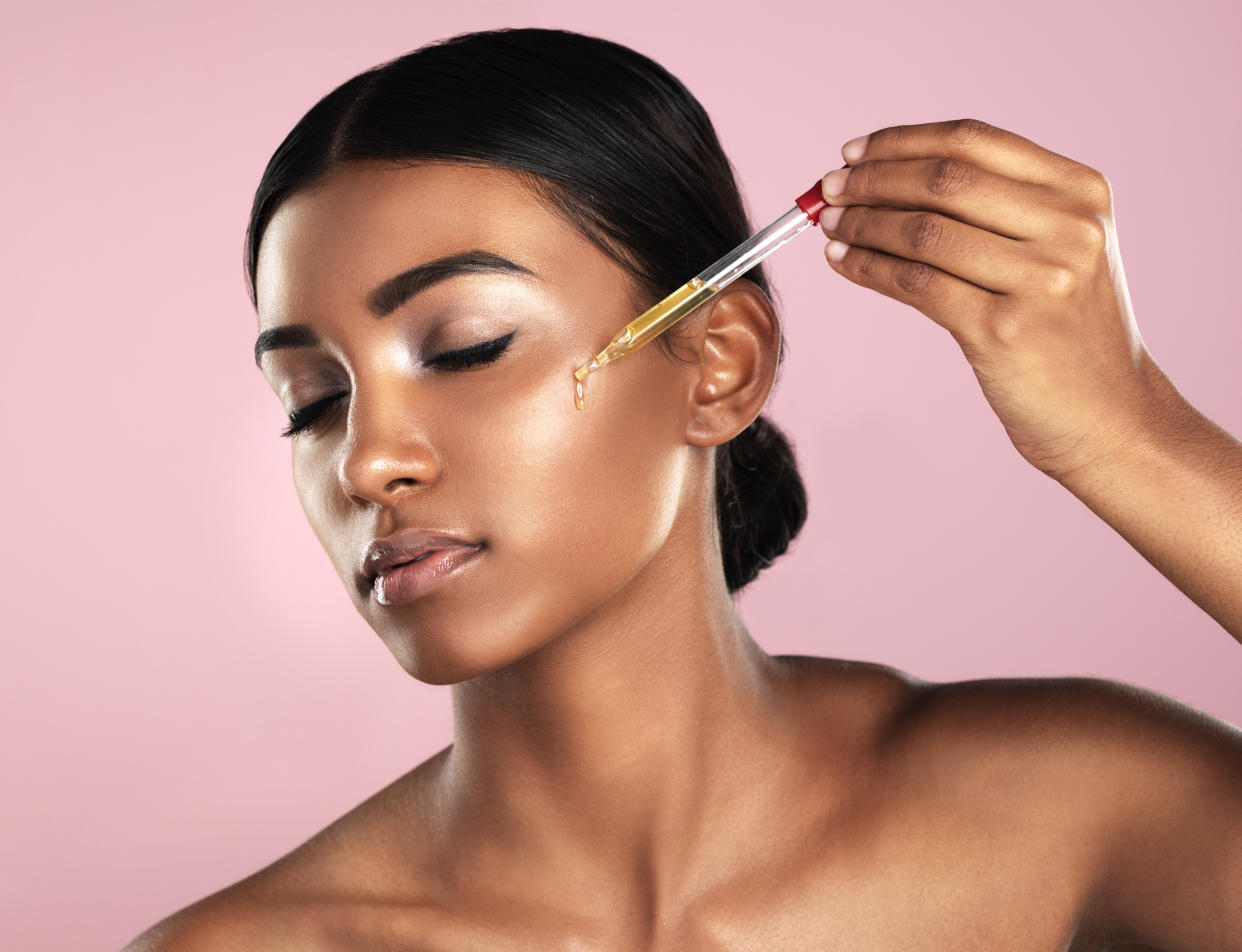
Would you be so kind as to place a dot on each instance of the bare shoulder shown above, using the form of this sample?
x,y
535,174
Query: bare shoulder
x,y
860,691
311,898
1101,740
223,922
1059,719
1138,795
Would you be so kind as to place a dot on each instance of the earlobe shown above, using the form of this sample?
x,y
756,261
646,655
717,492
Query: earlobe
x,y
738,343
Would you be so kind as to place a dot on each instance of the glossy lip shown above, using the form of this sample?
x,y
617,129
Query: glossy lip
x,y
385,555
410,580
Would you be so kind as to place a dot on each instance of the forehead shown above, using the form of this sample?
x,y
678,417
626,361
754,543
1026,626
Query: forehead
x,y
331,244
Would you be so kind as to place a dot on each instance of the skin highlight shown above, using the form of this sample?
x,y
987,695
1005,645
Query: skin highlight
x,y
495,453
630,770
592,592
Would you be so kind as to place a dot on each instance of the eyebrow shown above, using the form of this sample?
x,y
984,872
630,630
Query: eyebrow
x,y
395,292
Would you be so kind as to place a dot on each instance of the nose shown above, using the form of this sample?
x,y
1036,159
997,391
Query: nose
x,y
386,453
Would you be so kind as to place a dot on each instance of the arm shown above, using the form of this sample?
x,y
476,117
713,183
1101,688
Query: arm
x,y
1175,494
1013,250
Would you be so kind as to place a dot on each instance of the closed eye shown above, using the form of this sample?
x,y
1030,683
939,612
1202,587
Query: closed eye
x,y
483,353
317,414
311,415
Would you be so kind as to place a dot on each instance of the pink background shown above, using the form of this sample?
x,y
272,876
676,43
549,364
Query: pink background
x,y
189,693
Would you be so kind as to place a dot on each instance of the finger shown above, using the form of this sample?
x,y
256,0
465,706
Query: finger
x,y
954,304
952,187
986,260
984,145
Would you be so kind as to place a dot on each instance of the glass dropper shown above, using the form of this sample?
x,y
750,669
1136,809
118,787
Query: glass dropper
x,y
657,319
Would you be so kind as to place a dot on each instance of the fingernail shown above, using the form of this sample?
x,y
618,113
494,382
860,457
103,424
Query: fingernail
x,y
853,150
834,182
836,250
830,217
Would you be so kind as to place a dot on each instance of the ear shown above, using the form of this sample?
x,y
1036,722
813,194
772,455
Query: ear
x,y
737,342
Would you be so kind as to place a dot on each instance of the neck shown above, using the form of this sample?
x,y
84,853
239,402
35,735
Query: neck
x,y
628,739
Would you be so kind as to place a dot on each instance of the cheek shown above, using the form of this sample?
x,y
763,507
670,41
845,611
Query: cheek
x,y
326,508
585,497
572,504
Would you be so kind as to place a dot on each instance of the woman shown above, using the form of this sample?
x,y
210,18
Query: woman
x,y
432,251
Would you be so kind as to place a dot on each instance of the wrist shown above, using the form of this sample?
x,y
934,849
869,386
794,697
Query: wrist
x,y
1142,441
1162,449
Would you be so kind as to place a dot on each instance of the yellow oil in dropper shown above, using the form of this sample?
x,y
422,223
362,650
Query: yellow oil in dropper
x,y
656,320
643,329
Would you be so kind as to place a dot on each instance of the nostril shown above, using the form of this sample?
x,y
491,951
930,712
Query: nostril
x,y
400,482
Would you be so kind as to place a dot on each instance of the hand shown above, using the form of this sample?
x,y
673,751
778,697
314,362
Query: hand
x,y
1013,250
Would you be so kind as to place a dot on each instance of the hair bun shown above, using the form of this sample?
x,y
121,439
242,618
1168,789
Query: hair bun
x,y
760,500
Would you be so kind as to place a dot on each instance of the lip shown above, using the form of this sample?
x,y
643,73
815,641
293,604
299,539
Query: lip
x,y
393,576
410,580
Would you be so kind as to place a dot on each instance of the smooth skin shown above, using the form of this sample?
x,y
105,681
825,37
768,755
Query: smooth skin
x,y
630,771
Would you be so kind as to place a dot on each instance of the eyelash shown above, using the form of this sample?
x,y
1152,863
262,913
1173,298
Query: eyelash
x,y
316,414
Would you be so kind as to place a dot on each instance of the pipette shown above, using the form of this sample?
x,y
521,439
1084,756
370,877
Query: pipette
x,y
657,319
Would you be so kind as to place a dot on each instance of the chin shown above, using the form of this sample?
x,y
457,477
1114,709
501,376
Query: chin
x,y
442,667
444,657
458,633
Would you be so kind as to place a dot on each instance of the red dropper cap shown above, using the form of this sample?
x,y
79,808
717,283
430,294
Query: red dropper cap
x,y
812,201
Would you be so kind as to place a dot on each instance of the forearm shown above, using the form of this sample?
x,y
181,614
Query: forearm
x,y
1175,494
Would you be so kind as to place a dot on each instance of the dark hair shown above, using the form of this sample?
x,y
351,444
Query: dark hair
x,y
614,143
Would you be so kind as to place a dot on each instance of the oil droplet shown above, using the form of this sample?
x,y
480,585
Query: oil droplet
x,y
579,394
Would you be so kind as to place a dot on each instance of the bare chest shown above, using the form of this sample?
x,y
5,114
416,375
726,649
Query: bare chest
x,y
934,897
959,893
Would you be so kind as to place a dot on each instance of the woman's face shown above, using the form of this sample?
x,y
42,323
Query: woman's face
x,y
557,509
